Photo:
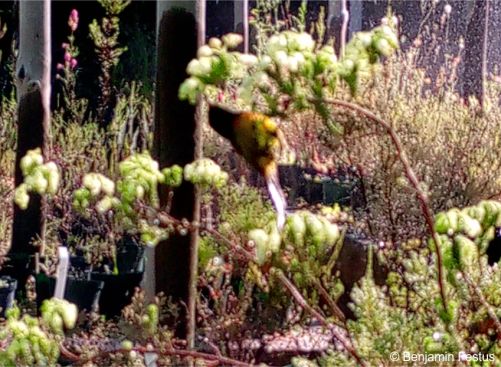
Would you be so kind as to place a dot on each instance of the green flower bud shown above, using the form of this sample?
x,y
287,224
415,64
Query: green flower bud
x,y
19,329
465,251
471,227
92,182
127,345
21,197
274,241
56,323
491,209
53,179
383,47
296,229
332,233
260,238
476,212
37,182
453,219
27,164
431,346
313,225
441,223
173,176
104,204
107,185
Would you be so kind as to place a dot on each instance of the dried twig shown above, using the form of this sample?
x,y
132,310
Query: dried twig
x,y
304,304
77,361
483,301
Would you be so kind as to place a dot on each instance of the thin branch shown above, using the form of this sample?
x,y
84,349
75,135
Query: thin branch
x,y
77,361
304,304
166,220
411,177
327,298
483,301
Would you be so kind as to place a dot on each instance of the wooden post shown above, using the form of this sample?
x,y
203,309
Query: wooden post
x,y
475,56
177,140
33,91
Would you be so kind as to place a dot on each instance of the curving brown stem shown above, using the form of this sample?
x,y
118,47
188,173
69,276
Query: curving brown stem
x,y
411,177
304,304
478,292
225,361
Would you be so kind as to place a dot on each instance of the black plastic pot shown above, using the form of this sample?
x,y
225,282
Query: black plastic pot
x,y
83,293
117,292
18,266
130,255
305,182
337,192
7,293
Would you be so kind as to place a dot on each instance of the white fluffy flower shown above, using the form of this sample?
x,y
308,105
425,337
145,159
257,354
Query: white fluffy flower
x,y
199,67
248,59
204,51
281,58
215,43
305,42
232,40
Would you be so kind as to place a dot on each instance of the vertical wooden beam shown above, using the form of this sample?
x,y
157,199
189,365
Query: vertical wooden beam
x,y
175,142
33,91
475,56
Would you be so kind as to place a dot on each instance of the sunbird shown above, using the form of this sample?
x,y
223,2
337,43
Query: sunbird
x,y
254,136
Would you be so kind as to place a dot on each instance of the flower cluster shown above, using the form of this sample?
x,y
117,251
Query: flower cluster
x,y
59,314
314,231
173,176
466,233
289,50
205,172
292,72
265,243
140,176
152,234
149,320
39,177
306,236
29,345
215,64
26,342
70,50
139,179
94,184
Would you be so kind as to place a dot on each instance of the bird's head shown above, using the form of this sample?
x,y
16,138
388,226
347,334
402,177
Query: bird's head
x,y
221,120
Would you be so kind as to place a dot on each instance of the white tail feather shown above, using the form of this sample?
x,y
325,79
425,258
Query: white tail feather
x,y
278,199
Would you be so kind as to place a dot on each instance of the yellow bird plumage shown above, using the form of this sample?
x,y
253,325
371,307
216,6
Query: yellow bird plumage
x,y
256,137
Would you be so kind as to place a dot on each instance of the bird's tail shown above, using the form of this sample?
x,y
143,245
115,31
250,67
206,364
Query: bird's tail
x,y
277,197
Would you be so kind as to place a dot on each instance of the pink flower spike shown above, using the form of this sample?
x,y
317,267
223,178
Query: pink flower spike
x,y
60,66
65,45
74,15
67,56
73,63
73,20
